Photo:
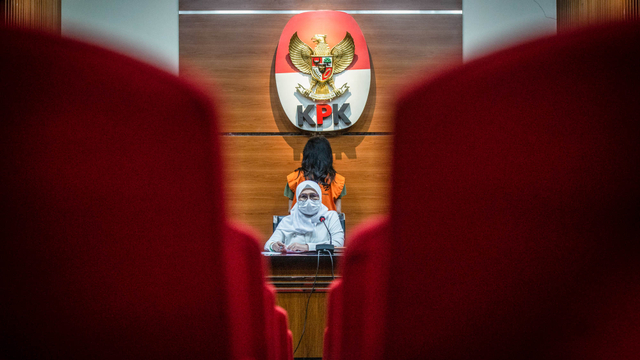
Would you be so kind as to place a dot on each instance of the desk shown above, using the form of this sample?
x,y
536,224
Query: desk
x,y
293,275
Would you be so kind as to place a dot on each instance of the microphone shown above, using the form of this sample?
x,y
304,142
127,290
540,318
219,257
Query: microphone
x,y
326,247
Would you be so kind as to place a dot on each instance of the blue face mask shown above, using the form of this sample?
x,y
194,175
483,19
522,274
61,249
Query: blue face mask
x,y
309,207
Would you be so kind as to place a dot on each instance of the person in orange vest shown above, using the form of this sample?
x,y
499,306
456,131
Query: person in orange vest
x,y
317,165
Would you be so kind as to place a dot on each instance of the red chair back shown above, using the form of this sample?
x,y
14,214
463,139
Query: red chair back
x,y
113,215
515,218
517,195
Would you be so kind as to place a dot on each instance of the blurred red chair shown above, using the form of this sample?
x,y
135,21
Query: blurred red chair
x,y
116,243
364,279
245,275
516,216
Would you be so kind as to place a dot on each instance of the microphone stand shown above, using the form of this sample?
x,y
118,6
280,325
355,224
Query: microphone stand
x,y
326,247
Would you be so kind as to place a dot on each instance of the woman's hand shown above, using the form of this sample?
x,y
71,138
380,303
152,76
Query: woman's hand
x,y
297,247
278,246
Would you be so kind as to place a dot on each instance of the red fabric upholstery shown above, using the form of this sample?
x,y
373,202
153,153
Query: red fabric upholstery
x,y
112,210
289,345
253,313
331,343
515,225
333,332
249,303
356,302
283,350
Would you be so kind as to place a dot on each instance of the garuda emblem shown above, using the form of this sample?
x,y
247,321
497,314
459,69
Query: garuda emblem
x,y
321,63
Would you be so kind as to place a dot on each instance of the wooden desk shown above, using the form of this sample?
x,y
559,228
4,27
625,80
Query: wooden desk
x,y
293,276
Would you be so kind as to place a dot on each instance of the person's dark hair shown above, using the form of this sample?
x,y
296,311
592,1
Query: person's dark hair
x,y
317,161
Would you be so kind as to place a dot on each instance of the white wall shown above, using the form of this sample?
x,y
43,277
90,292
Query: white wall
x,y
144,29
489,25
148,29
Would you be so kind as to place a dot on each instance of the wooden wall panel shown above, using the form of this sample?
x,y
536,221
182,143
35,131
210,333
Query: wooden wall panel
x,y
296,303
238,53
573,13
403,48
301,271
317,5
256,168
33,14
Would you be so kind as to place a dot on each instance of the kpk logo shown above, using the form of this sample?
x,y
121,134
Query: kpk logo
x,y
324,87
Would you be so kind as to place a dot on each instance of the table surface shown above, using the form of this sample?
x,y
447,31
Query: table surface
x,y
338,252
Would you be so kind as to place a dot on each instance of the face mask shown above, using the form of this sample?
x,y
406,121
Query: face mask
x,y
309,207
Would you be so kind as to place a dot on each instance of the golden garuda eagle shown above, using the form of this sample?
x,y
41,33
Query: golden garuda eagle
x,y
321,63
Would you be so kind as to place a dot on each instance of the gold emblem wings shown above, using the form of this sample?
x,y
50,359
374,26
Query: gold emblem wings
x,y
300,54
343,54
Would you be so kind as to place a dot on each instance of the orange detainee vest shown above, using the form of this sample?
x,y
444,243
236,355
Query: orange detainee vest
x,y
329,196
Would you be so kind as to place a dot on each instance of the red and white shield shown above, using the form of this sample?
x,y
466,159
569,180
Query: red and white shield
x,y
322,67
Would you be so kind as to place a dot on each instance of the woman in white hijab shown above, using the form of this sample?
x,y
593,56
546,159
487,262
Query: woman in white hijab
x,y
303,229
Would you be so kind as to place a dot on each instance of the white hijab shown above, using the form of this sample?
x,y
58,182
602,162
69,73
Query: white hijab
x,y
299,223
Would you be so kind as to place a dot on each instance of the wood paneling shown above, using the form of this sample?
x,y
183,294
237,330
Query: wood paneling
x,y
238,53
256,168
33,14
302,269
295,303
573,13
320,5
